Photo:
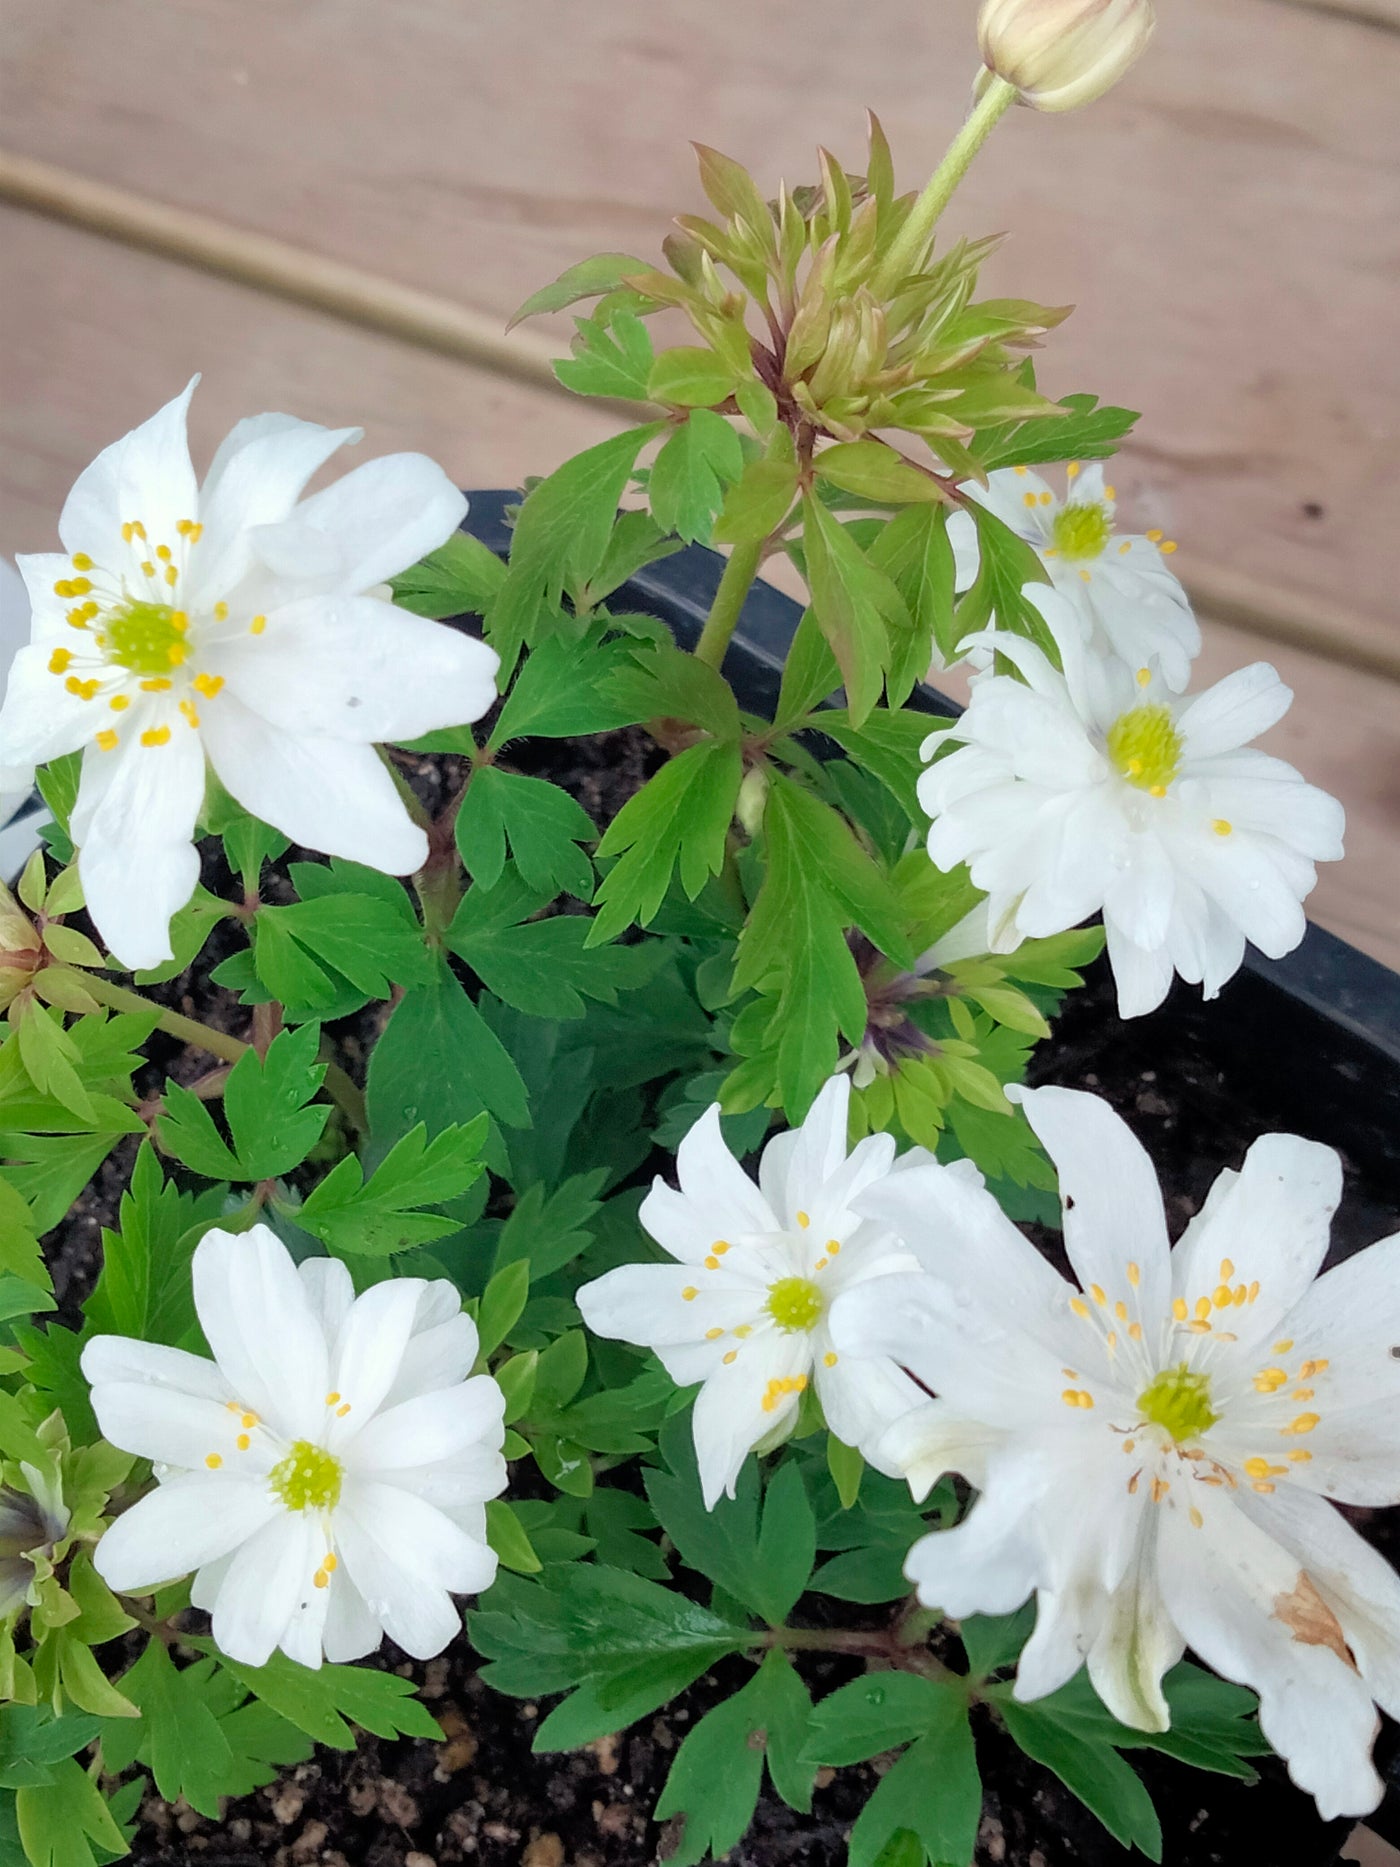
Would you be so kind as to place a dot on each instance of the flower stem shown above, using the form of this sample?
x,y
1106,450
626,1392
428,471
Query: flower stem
x,y
173,1023
725,611
907,252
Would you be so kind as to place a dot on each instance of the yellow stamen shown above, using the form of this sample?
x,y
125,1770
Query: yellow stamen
x,y
208,684
213,1461
156,736
107,740
257,625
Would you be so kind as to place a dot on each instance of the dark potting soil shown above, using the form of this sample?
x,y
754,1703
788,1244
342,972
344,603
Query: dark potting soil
x,y
480,1794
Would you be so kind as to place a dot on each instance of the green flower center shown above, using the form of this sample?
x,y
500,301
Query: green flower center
x,y
1082,531
795,1304
1146,747
147,638
307,1479
1179,1402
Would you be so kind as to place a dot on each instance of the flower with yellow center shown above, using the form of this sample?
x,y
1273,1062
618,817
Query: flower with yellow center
x,y
235,623
1155,1442
1125,598
326,1475
1097,790
745,1309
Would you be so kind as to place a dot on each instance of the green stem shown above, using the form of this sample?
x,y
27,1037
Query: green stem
x,y
173,1023
911,242
725,611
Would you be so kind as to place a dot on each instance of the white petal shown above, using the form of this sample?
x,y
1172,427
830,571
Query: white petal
x,y
370,1351
178,1429
645,1304
1271,1224
1228,1586
1143,976
146,475
40,719
861,1395
357,669
431,1427
404,1556
257,1319
330,1291
1234,711
1137,1641
351,1631
932,1439
134,825
255,478
794,1165
322,793
1112,1205
120,1358
710,1175
443,1347
266,1584
368,526
730,1418
988,1563
180,1526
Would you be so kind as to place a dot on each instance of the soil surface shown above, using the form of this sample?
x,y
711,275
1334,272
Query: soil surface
x,y
480,1795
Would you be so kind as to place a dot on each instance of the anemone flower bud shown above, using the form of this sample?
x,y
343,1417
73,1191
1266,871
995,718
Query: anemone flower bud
x,y
1060,54
20,952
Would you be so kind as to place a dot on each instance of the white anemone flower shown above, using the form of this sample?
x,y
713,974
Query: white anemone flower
x,y
1098,789
326,1475
1125,598
744,1310
1155,1443
228,621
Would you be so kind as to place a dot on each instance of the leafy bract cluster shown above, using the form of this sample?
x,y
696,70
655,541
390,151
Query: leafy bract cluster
x,y
467,1077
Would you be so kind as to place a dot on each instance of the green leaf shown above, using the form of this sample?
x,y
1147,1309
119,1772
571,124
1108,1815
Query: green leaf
x,y
544,827
715,1779
564,690
611,356
761,499
305,952
31,1737
847,1468
50,1056
1093,1772
1006,564
915,552
144,1290
873,1715
181,1740
189,929
61,1821
887,745
327,1702
562,534
506,1535
439,1062
383,1214
678,821
551,1229
689,476
874,471
1088,432
787,1544
662,682
501,1304
689,377
543,967
49,1171
856,605
590,278
460,578
272,1120
934,1791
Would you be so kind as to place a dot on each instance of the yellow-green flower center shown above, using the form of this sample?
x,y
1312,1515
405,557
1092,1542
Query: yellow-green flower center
x,y
795,1304
307,1479
147,638
1146,747
1179,1402
1082,531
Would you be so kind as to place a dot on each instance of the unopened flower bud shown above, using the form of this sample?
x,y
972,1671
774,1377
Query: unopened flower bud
x,y
20,952
1060,54
752,800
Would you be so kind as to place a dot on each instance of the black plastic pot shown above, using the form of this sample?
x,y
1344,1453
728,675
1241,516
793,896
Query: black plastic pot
x,y
1309,1044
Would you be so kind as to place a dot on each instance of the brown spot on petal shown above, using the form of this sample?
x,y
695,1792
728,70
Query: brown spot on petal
x,y
1312,1621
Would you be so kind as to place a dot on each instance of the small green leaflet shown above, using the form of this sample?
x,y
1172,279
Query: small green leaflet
x,y
544,827
757,504
1091,431
550,1229
1093,1772
383,1214
543,967
272,1121
439,1062
1006,564
61,1822
715,1779
664,683
859,608
562,534
178,1735
691,377
460,578
612,356
914,550
590,278
678,821
144,1289
49,1171
307,952
887,745
326,1703
564,690
690,475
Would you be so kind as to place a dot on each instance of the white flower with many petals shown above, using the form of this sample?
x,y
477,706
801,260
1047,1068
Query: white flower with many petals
x,y
1097,789
745,1308
1155,1444
326,1475
1125,599
228,621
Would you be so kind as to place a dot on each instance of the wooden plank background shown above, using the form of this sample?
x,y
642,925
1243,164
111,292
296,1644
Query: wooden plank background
x,y
1226,220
